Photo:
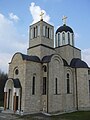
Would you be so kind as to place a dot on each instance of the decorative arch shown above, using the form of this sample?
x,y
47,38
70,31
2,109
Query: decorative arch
x,y
12,94
58,58
18,53
57,76
69,80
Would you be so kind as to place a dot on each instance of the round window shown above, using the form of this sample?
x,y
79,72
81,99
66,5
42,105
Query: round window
x,y
16,71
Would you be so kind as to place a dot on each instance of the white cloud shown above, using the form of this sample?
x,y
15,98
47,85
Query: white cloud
x,y
10,41
4,60
86,55
76,35
13,17
35,12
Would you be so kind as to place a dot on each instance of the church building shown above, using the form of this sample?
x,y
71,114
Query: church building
x,y
51,77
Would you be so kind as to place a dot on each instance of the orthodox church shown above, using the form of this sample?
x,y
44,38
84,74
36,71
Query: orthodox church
x,y
51,77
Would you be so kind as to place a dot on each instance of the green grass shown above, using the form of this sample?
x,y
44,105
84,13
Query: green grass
x,y
73,116
82,115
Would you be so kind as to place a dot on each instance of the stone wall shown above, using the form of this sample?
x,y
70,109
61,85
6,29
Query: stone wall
x,y
68,52
83,89
18,63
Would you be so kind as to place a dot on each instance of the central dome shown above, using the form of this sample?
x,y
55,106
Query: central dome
x,y
64,28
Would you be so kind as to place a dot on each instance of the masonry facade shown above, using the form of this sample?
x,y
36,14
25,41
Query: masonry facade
x,y
48,79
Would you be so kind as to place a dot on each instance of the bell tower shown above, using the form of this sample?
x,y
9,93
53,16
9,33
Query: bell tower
x,y
41,37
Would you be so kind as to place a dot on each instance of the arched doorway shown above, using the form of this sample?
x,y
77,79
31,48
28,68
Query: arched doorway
x,y
12,95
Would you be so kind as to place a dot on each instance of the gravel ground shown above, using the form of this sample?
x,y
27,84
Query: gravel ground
x,y
6,116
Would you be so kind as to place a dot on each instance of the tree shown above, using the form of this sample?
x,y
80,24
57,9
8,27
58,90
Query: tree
x,y
3,79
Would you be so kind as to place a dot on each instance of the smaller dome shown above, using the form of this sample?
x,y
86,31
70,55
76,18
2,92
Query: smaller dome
x,y
64,28
78,63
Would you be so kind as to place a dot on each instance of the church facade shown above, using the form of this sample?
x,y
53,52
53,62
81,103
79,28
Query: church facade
x,y
48,79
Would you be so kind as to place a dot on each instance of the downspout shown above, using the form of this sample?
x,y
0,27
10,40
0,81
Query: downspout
x,y
76,89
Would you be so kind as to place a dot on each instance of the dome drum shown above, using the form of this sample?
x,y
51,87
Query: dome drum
x,y
64,35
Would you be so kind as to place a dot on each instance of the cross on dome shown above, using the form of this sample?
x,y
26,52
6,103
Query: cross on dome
x,y
64,19
41,15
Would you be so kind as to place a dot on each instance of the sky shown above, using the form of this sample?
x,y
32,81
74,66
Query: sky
x,y
17,15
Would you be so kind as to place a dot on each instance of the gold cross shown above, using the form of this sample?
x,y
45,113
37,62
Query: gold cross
x,y
64,19
41,15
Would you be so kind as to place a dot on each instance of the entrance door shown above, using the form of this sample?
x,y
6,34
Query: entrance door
x,y
9,95
16,102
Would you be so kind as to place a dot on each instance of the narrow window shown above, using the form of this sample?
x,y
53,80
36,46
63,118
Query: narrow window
x,y
68,38
44,85
48,33
63,38
33,85
68,84
43,30
58,39
51,33
56,88
45,68
88,72
38,30
31,33
34,32
72,39
89,86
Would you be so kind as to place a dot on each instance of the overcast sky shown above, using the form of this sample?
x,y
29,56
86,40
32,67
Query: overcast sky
x,y
17,15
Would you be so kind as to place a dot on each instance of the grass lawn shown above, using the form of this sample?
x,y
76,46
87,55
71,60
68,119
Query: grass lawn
x,y
69,116
73,116
1,103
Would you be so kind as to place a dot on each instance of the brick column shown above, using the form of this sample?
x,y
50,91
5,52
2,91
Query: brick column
x,y
5,100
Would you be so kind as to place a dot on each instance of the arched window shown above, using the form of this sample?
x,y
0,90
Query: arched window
x,y
48,33
68,38
16,71
68,83
56,87
38,30
34,32
43,30
44,85
33,85
31,33
58,39
63,38
89,72
51,34
72,39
